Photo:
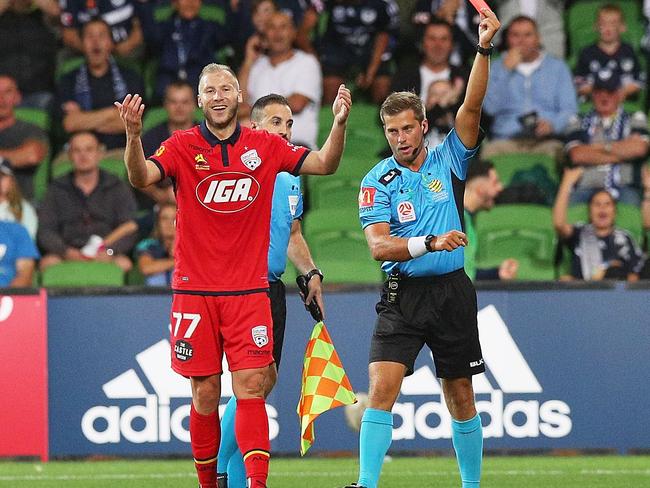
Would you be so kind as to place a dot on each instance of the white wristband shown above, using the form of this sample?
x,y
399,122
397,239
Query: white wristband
x,y
417,247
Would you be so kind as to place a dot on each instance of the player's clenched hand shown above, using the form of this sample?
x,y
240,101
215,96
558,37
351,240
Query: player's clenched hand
x,y
315,287
342,104
450,241
131,110
488,26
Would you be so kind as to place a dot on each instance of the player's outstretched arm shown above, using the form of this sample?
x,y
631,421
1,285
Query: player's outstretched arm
x,y
327,159
385,247
560,221
469,113
141,172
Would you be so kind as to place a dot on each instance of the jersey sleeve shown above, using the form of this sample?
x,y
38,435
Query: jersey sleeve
x,y
453,150
166,157
289,158
374,202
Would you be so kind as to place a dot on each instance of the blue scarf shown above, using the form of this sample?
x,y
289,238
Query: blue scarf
x,y
82,93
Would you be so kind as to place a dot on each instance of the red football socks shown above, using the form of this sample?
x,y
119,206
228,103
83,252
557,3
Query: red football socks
x,y
205,434
252,432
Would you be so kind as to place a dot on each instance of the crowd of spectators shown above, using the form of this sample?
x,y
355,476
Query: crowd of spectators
x,y
72,59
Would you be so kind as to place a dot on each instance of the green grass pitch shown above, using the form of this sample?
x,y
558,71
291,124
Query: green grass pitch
x,y
501,472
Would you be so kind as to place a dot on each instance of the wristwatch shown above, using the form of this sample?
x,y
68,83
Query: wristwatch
x,y
484,51
427,242
313,272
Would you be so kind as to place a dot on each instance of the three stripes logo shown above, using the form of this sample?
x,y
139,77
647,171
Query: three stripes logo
x,y
508,394
152,395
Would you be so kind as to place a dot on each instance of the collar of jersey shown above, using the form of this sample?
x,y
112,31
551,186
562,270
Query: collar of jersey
x,y
425,163
214,140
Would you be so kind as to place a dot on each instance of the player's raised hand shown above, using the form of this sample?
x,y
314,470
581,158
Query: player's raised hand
x,y
131,110
342,104
488,26
449,241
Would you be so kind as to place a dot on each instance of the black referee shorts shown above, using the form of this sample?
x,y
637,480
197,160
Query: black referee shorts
x,y
278,296
439,311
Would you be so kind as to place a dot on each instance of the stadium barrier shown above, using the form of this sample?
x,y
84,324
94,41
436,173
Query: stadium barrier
x,y
565,370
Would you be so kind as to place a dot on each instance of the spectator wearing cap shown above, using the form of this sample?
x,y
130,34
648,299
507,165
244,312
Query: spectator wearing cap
x,y
13,207
609,55
609,142
24,144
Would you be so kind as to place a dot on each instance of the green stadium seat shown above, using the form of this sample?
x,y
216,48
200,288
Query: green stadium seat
x,y
344,257
523,232
36,116
113,166
343,218
508,164
41,179
80,273
333,192
157,115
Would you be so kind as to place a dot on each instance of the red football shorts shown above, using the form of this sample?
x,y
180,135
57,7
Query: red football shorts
x,y
203,327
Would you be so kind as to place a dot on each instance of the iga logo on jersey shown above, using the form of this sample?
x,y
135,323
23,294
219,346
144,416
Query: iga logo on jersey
x,y
227,192
406,212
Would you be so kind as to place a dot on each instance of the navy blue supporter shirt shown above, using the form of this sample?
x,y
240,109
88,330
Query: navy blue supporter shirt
x,y
418,203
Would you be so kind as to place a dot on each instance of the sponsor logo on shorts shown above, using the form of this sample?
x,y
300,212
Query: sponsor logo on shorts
x,y
406,212
251,159
227,192
367,196
183,350
260,336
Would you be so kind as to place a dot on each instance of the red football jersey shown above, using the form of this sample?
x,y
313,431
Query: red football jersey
x,y
224,190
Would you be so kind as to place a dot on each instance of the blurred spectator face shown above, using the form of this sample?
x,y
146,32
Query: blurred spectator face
x,y
97,43
610,26
489,188
219,98
602,210
277,119
261,14
187,9
21,6
606,102
85,153
405,135
438,93
167,222
9,97
437,44
280,33
179,104
523,35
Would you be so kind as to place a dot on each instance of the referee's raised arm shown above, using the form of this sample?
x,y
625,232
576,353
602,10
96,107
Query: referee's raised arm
x,y
469,113
141,172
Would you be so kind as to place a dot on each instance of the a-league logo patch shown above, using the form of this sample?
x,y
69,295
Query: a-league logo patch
x,y
406,212
260,335
251,159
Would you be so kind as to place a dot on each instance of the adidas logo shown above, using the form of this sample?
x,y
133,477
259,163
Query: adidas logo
x,y
161,388
507,373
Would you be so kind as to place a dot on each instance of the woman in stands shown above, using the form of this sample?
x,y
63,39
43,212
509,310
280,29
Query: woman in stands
x,y
155,256
600,250
13,207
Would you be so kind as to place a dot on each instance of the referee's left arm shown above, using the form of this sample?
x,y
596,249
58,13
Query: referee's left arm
x,y
469,113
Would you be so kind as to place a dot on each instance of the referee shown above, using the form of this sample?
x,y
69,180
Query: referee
x,y
411,209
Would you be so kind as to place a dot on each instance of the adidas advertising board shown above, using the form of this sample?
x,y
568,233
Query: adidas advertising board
x,y
558,363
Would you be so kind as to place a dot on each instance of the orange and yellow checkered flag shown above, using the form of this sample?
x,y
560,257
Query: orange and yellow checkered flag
x,y
324,384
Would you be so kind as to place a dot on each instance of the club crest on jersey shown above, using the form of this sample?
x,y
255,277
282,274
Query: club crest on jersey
x,y
260,336
251,159
201,163
406,212
227,192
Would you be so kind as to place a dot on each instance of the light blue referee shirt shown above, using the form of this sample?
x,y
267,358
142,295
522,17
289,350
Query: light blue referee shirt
x,y
287,206
429,201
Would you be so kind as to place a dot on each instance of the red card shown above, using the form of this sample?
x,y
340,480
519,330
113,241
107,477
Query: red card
x,y
480,5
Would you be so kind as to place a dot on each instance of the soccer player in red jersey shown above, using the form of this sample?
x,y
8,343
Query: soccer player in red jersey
x,y
224,176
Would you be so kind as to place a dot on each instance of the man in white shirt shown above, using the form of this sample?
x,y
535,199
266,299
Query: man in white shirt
x,y
279,68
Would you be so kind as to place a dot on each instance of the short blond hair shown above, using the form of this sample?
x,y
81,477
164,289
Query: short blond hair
x,y
216,68
398,102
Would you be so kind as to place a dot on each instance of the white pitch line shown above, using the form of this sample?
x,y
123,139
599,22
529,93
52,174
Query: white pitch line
x,y
289,474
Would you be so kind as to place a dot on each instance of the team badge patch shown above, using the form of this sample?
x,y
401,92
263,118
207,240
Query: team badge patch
x,y
251,159
201,163
260,335
435,186
159,151
406,212
183,350
367,196
293,204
